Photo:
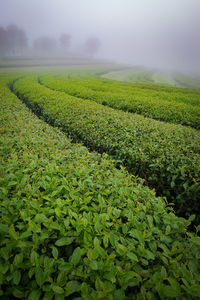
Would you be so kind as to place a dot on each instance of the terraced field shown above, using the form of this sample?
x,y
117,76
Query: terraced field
x,y
80,224
166,104
156,76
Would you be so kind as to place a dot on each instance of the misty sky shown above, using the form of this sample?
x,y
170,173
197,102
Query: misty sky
x,y
150,32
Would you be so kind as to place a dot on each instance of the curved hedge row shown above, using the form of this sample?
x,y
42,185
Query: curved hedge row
x,y
168,93
165,155
91,80
72,226
187,81
155,104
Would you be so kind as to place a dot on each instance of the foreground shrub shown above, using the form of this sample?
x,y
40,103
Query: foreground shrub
x,y
165,155
72,226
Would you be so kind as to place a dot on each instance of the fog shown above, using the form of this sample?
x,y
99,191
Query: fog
x,y
155,33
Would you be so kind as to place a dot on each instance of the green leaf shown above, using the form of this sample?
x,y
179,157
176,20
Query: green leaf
x,y
96,242
57,289
34,295
58,211
137,234
149,254
97,226
110,276
194,290
31,272
105,241
16,277
113,239
4,253
34,257
195,240
71,287
92,254
4,228
18,294
101,251
18,259
13,233
12,183
76,256
65,267
41,218
94,265
121,250
23,180
163,272
132,256
55,252
119,295
4,268
170,292
192,218
26,234
65,241
174,284
48,295
84,289
54,225
172,184
62,297
99,285
39,276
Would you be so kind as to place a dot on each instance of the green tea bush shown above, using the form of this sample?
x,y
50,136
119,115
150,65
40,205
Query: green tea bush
x,y
72,226
170,105
163,92
187,81
165,155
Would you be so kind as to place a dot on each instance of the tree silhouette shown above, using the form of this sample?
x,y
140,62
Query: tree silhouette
x,y
3,42
13,40
16,39
92,46
65,40
44,44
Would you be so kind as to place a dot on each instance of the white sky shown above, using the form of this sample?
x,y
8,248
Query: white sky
x,y
120,24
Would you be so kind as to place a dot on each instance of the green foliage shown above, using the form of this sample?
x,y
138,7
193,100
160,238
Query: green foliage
x,y
187,81
173,105
165,155
75,227
156,76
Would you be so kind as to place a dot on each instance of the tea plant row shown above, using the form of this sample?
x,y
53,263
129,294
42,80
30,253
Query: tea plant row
x,y
165,155
167,104
72,225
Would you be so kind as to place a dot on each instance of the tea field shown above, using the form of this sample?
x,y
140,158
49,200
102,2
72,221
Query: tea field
x,y
99,186
157,76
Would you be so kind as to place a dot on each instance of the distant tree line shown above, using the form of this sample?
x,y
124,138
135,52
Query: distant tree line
x,y
92,46
14,42
46,44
